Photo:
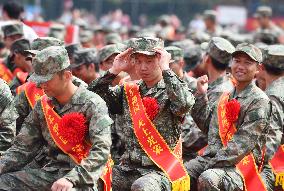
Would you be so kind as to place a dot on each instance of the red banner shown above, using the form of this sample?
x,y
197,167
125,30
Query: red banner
x,y
42,29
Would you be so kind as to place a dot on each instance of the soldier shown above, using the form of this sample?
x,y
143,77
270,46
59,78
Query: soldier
x,y
216,60
75,155
57,31
12,11
84,66
106,56
272,70
22,61
193,138
210,20
166,100
71,49
263,15
12,32
236,128
26,94
86,39
113,38
8,116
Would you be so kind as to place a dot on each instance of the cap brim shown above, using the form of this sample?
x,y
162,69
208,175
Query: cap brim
x,y
73,66
256,15
38,79
32,51
149,53
240,51
204,46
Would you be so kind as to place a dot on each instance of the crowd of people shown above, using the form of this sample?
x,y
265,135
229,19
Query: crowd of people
x,y
142,108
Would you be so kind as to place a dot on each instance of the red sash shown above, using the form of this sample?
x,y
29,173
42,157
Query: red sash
x,y
247,166
77,151
22,76
5,73
153,143
32,92
277,164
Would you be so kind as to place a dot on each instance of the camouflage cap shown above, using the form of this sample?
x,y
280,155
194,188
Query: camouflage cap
x,y
57,31
86,36
113,38
176,53
20,45
48,62
72,48
263,11
84,56
220,49
145,45
252,51
274,56
192,57
12,29
210,14
108,50
183,44
43,42
164,19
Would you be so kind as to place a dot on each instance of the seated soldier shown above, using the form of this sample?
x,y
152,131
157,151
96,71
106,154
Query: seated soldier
x,y
153,109
236,129
70,123
22,61
8,116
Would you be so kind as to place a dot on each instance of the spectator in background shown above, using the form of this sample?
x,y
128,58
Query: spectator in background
x,y
12,11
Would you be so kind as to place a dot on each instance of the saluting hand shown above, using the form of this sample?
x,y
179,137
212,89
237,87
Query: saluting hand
x,y
202,84
62,184
121,62
164,58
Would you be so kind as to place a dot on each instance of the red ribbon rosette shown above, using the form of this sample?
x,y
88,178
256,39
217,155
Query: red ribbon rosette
x,y
73,127
151,106
233,108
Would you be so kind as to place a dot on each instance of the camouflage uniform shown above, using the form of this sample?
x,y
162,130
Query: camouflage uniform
x,y
35,136
212,15
8,116
274,30
274,57
113,38
137,171
215,170
19,46
193,138
21,102
57,31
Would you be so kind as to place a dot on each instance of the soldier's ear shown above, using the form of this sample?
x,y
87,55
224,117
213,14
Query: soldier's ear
x,y
68,75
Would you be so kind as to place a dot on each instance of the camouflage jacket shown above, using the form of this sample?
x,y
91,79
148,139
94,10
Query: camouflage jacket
x,y
252,127
193,138
275,136
8,116
174,99
24,108
35,135
202,110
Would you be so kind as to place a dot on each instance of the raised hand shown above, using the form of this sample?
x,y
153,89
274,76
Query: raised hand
x,y
121,62
202,84
165,58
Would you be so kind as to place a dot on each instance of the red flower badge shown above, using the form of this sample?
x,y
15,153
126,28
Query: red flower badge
x,y
233,108
151,106
73,127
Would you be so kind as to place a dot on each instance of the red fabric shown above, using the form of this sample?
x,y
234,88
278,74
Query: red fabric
x,y
232,110
73,127
151,106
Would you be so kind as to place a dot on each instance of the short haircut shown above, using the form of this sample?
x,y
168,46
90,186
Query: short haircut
x,y
273,71
13,9
218,65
